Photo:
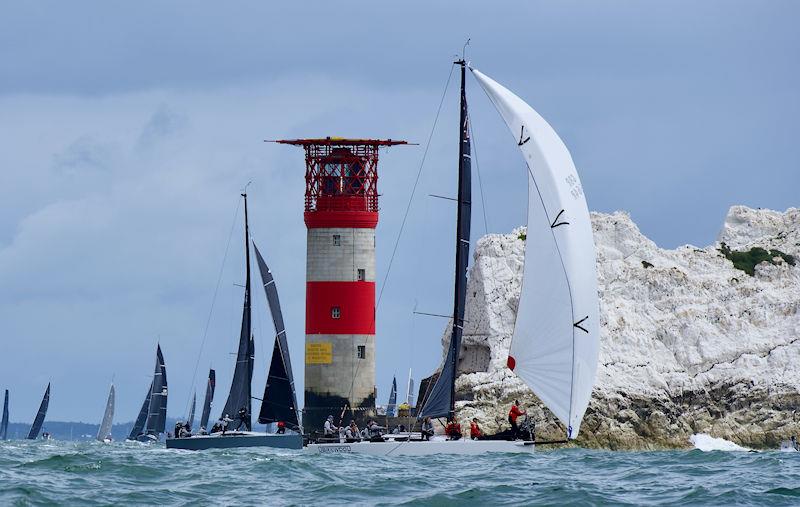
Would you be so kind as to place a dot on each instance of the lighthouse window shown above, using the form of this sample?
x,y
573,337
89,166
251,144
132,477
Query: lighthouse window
x,y
362,351
362,275
335,312
337,240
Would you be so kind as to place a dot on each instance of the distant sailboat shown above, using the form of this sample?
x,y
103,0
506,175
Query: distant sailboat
x,y
152,419
410,398
556,336
209,400
4,422
36,427
279,403
104,433
391,407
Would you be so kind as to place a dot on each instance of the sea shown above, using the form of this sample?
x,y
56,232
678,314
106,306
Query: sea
x,y
715,472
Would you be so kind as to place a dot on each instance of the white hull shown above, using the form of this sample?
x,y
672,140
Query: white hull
x,y
418,448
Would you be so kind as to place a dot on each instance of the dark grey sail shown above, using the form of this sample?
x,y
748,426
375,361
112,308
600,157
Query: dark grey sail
x,y
441,400
141,419
4,422
209,400
391,407
36,427
190,420
108,416
280,400
157,411
240,394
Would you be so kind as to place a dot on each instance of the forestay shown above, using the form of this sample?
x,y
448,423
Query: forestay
x,y
556,338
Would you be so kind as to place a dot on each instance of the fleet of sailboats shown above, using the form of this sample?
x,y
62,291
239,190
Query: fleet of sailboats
x,y
554,348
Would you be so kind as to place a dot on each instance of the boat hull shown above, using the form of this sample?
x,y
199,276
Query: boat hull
x,y
419,448
237,439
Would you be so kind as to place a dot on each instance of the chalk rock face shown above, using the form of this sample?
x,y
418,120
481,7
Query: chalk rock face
x,y
690,344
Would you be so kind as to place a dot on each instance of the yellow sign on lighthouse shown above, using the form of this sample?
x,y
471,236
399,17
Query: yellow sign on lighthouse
x,y
319,353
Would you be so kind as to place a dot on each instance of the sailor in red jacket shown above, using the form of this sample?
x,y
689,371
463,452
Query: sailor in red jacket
x,y
475,430
512,418
452,430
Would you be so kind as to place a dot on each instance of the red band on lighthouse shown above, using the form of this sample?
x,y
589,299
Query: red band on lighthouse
x,y
355,302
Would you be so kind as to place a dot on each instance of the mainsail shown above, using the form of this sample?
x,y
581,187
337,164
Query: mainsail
x,y
210,385
190,420
4,422
157,411
108,416
36,427
239,396
556,338
280,401
441,400
141,419
391,407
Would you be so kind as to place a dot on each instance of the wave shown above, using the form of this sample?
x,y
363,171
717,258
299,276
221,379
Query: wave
x,y
707,443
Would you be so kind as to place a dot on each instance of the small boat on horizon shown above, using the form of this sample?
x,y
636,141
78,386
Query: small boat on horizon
x,y
4,421
38,422
104,432
279,404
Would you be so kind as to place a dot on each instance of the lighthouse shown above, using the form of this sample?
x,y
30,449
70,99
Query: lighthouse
x,y
341,214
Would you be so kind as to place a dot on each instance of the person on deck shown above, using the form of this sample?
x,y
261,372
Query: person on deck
x,y
184,431
329,429
242,418
427,429
281,428
351,433
475,432
512,419
225,421
452,430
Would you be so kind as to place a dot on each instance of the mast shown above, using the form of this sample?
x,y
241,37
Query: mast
x,y
442,398
240,395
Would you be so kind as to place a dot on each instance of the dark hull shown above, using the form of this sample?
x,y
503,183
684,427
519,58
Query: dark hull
x,y
232,440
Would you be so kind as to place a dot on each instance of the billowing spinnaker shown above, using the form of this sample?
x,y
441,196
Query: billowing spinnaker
x,y
556,338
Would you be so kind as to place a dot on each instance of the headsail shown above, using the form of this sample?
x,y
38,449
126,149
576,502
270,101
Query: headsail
x,y
4,422
209,400
190,420
157,412
280,400
391,407
441,400
141,419
556,338
108,416
239,396
36,427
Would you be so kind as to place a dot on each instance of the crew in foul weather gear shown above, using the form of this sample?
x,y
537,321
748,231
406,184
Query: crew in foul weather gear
x,y
427,429
242,418
352,433
475,432
329,429
281,428
512,419
453,430
225,422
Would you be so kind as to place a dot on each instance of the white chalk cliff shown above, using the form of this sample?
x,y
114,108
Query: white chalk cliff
x,y
690,344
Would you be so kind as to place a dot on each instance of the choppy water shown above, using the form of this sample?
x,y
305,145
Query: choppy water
x,y
126,473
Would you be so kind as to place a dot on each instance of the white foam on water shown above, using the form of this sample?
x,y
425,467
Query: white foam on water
x,y
707,443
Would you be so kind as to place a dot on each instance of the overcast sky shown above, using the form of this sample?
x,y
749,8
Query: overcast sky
x,y
128,129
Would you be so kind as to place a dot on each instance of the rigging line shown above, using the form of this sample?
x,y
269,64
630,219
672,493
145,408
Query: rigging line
x,y
214,298
405,215
474,145
414,188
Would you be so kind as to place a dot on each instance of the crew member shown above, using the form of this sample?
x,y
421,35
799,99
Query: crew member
x,y
329,429
241,416
452,430
281,428
475,432
427,429
226,420
352,433
512,419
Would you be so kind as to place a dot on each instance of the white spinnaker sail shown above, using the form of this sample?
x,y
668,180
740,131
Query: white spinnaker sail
x,y
556,338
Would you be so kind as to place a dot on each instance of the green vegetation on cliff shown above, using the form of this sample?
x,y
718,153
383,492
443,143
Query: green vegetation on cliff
x,y
746,260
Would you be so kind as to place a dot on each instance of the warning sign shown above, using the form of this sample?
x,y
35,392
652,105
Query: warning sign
x,y
319,353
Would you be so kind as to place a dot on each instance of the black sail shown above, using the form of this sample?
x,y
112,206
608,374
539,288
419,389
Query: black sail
x,y
239,397
391,407
190,420
141,419
4,422
210,385
280,400
157,411
36,427
441,400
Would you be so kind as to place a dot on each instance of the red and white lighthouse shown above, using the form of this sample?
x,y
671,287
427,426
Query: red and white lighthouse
x,y
341,213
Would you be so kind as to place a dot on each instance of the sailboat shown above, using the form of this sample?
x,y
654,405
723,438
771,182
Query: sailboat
x,y
190,419
556,338
104,433
36,427
279,404
152,418
391,407
209,399
4,422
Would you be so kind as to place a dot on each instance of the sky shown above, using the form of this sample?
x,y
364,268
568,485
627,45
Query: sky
x,y
127,131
